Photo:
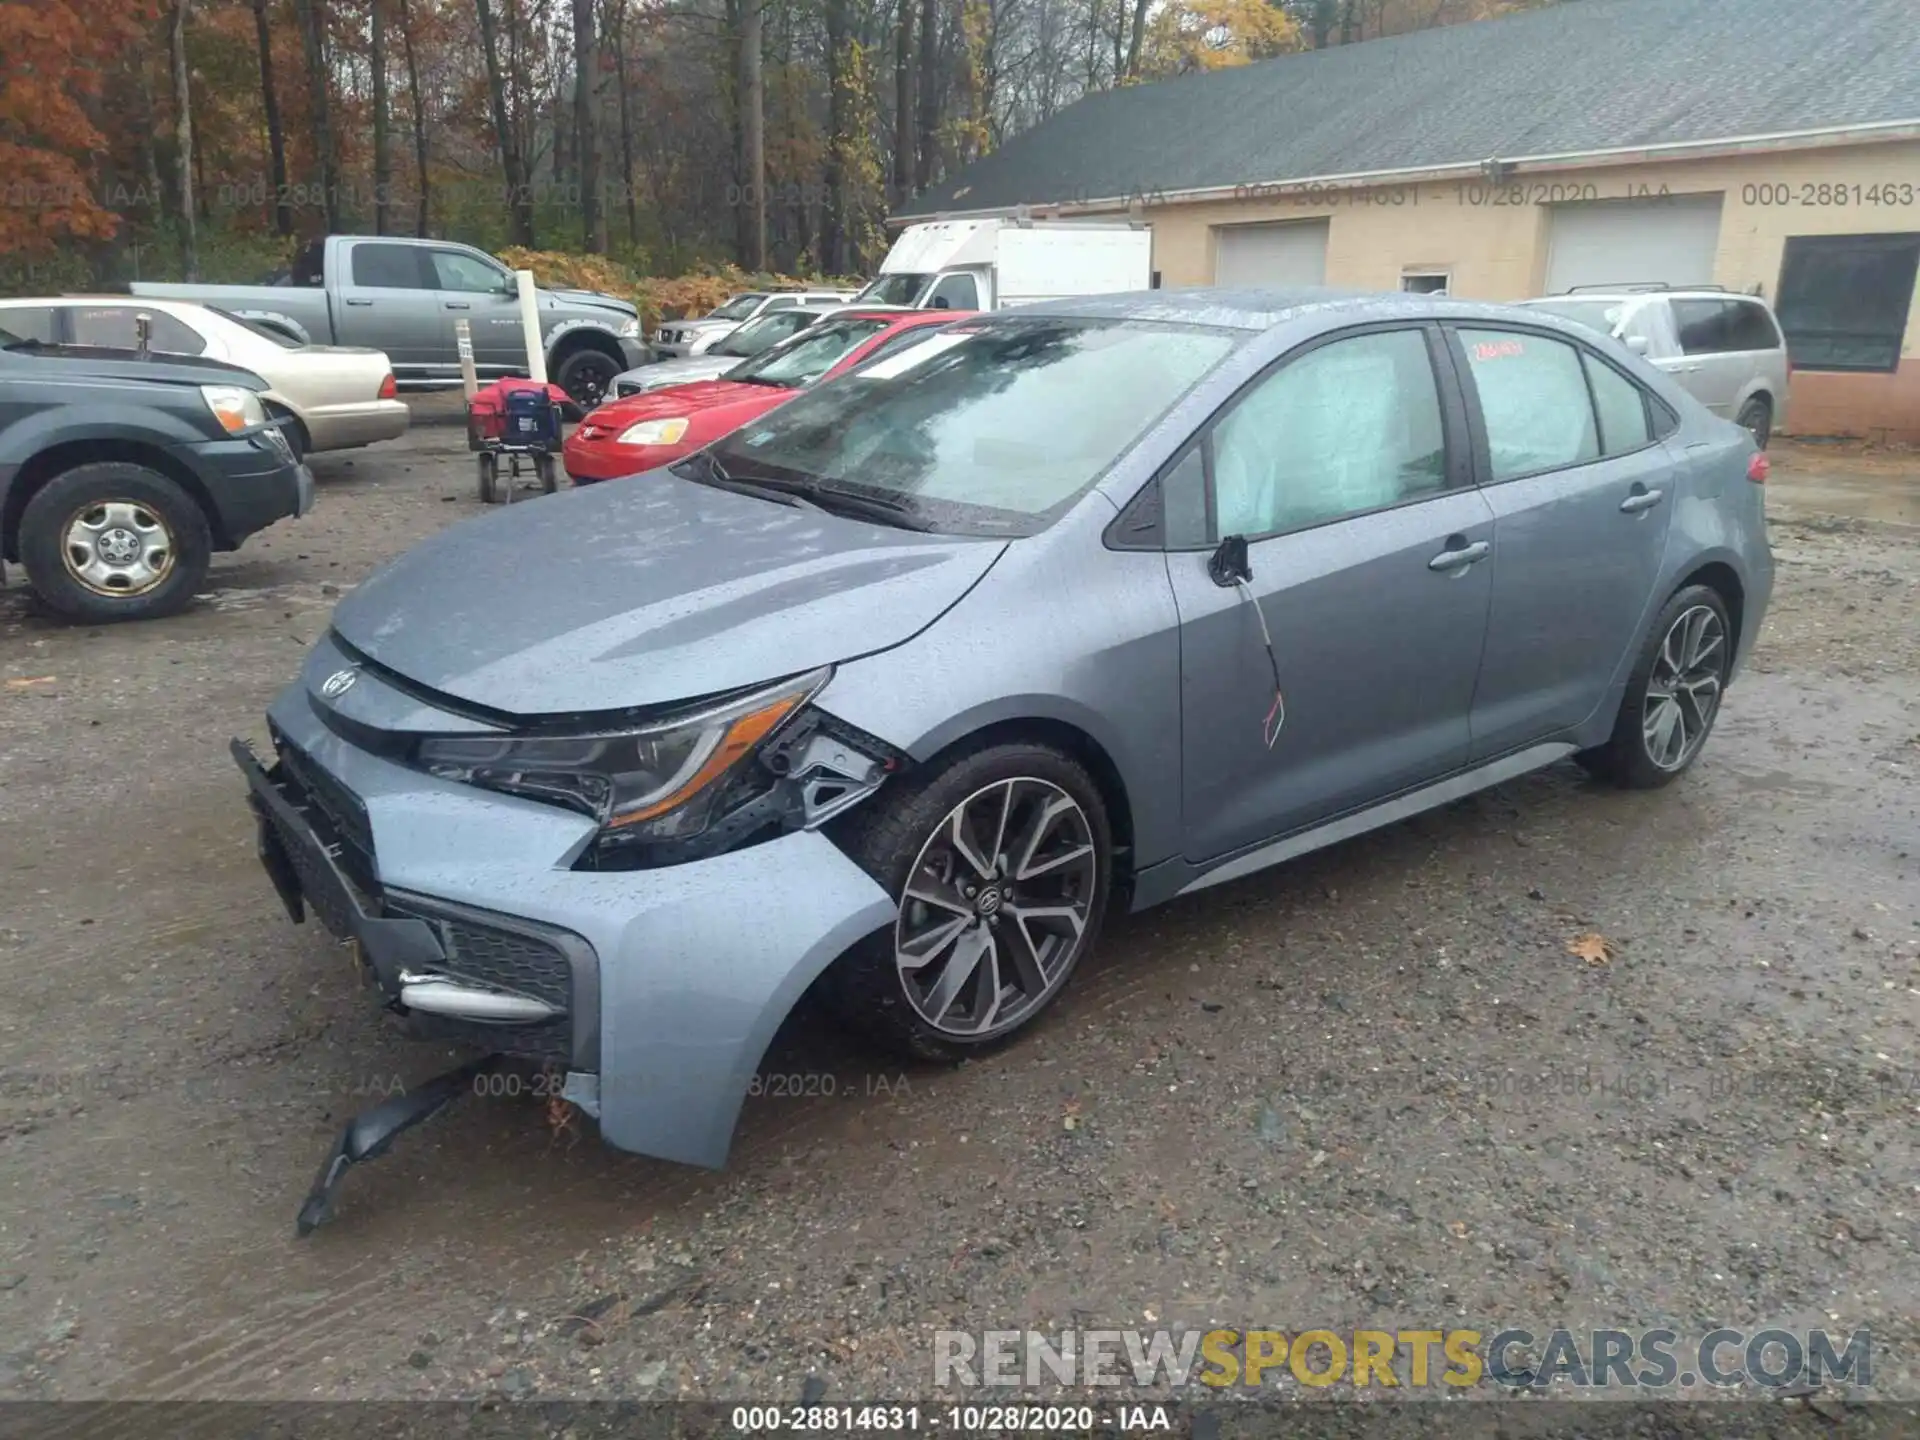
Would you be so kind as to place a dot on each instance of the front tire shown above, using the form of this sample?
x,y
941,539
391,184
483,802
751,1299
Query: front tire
x,y
586,375
114,541
1672,696
1001,861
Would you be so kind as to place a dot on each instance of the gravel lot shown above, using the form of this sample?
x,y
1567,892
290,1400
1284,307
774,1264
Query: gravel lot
x,y
1373,1088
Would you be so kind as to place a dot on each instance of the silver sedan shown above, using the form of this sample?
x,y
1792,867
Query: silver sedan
x,y
332,397
753,338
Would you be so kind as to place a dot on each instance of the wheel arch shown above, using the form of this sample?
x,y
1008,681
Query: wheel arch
x,y
1065,735
1721,578
586,336
56,460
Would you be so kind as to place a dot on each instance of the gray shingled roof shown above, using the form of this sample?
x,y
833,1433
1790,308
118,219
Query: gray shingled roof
x,y
1578,76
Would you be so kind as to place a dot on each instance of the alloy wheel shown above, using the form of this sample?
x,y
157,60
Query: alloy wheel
x,y
996,907
118,548
1684,688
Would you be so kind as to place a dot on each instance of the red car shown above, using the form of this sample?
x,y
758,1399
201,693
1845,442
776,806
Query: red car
x,y
644,432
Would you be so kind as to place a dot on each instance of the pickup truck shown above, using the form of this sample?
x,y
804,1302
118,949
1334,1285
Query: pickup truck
x,y
404,296
121,471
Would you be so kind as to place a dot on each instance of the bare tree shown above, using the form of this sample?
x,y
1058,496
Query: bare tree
x,y
419,118
318,85
276,131
183,138
382,145
753,139
586,68
903,100
928,143
519,193
616,34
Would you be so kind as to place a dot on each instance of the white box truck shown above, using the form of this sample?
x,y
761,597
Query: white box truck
x,y
991,264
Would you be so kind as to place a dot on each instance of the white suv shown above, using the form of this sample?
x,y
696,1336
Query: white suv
x,y
1726,350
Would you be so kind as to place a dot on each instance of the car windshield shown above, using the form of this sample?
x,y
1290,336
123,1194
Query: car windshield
x,y
265,332
756,336
805,357
1602,315
989,428
894,289
738,308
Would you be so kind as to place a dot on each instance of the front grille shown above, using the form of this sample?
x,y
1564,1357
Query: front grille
x,y
341,810
507,960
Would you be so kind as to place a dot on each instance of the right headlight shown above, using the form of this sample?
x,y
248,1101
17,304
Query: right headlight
x,y
660,778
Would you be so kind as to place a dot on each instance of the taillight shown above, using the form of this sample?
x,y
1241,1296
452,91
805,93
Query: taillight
x,y
1759,467
389,390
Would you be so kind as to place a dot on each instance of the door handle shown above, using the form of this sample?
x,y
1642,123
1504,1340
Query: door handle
x,y
1459,557
1684,370
352,301
1641,500
458,305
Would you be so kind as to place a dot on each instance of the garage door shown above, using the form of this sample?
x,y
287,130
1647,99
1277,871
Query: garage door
x,y
1270,257
1620,242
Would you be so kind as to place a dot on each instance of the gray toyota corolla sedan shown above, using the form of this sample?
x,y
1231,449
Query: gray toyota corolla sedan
x,y
900,688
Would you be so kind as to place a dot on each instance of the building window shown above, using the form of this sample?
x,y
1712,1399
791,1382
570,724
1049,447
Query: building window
x,y
1426,282
1844,299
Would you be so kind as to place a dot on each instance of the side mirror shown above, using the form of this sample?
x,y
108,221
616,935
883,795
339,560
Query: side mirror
x,y
1636,343
1228,565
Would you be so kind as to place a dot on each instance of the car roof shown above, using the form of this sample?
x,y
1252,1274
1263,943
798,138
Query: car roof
x,y
1258,310
1636,292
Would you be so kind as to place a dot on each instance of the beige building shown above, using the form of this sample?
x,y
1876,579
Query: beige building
x,y
1585,144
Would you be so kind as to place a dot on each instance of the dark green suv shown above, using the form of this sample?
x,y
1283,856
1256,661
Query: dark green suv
x,y
122,471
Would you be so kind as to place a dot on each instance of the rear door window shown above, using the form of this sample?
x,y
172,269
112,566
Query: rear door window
x,y
1533,402
111,327
1710,327
388,267
1619,405
1750,327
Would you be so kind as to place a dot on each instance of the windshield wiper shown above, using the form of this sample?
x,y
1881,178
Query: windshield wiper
x,y
856,504
719,479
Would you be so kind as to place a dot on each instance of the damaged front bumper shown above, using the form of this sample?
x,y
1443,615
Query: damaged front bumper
x,y
655,991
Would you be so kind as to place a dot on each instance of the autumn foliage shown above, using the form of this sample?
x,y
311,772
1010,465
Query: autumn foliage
x,y
52,53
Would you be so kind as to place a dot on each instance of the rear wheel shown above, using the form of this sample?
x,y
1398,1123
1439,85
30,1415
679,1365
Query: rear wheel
x,y
1672,696
1001,863
1756,417
543,467
114,541
489,478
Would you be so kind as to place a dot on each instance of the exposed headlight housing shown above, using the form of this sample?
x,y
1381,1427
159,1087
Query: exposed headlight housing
x,y
656,781
234,406
655,432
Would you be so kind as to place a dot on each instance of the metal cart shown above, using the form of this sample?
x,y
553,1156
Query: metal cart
x,y
518,419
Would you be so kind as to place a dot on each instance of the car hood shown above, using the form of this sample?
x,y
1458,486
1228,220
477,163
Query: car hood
x,y
592,299
663,373
645,593
665,404
92,361
702,325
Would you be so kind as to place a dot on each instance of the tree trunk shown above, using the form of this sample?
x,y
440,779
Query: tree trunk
x,y
833,218
149,152
1320,22
382,144
419,119
1349,22
753,138
276,132
314,44
928,143
903,102
519,196
586,65
617,34
1136,37
183,139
